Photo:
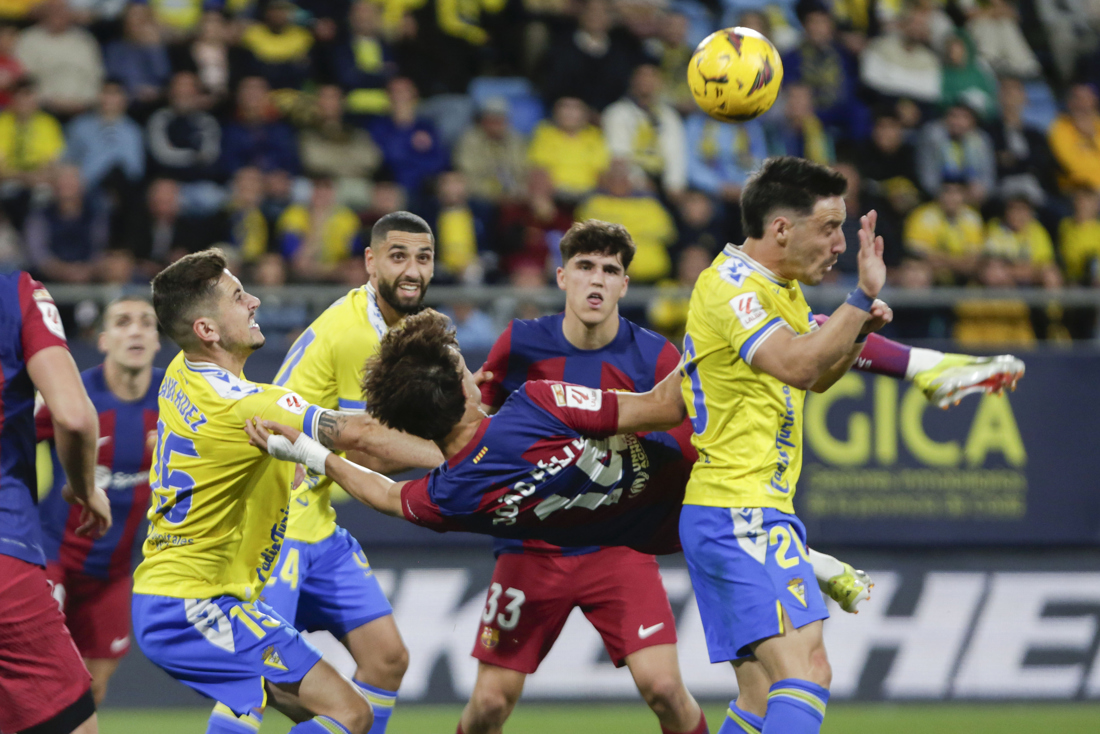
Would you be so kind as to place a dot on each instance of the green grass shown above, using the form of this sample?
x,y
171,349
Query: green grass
x,y
1070,718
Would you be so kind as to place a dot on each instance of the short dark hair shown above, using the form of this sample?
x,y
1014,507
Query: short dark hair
x,y
413,383
399,222
786,182
101,320
596,237
182,288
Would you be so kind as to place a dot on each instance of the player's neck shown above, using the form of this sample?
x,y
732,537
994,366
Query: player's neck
x,y
128,385
389,314
766,253
594,336
231,363
461,434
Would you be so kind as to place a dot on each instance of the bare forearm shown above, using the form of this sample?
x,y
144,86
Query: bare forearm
x,y
838,370
76,450
815,356
389,450
372,489
660,409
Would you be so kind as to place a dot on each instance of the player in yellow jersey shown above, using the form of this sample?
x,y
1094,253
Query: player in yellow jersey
x,y
324,581
752,349
218,517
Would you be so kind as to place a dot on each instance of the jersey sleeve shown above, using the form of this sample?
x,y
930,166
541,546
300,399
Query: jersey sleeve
x,y
417,505
748,319
493,392
43,423
41,320
667,362
588,411
281,406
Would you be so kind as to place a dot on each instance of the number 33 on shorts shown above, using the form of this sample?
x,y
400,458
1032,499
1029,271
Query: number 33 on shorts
x,y
509,617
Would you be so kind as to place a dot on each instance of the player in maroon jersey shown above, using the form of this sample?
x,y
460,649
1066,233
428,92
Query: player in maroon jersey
x,y
43,683
92,577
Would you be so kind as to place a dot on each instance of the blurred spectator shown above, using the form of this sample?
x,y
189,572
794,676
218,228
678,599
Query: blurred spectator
x,y
899,63
1069,32
955,147
475,331
1079,239
64,58
648,132
101,17
248,228
986,322
385,198
888,166
829,70
994,26
280,319
699,224
459,230
211,58
1023,156
799,132
1075,139
411,146
332,148
280,48
106,142
649,223
179,19
12,255
947,233
184,142
591,61
858,200
452,33
257,137
966,79
492,155
318,239
529,231
570,148
668,312
278,186
158,233
139,60
721,157
675,53
66,236
10,68
1024,243
364,61
31,141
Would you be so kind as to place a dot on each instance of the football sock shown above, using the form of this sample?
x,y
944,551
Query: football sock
x,y
459,729
382,701
224,721
921,360
825,566
884,356
795,707
739,721
320,725
700,728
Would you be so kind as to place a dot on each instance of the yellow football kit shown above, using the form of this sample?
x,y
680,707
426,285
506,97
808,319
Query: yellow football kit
x,y
748,424
219,507
325,366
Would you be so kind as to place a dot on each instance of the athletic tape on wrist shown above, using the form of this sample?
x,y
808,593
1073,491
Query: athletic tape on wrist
x,y
303,451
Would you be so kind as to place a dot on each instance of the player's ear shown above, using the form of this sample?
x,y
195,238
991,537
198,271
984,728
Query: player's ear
x,y
626,284
561,278
206,330
781,227
368,259
101,343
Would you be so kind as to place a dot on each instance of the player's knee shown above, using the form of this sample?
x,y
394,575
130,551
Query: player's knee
x,y
397,661
359,719
389,661
491,706
663,693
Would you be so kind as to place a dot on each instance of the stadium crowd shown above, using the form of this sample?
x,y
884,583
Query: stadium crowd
x,y
134,133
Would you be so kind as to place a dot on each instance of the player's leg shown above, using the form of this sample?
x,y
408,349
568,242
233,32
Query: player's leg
x,y
656,672
333,699
98,616
798,667
101,669
381,660
529,600
496,692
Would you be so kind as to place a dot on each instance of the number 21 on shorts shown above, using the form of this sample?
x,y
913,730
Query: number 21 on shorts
x,y
509,617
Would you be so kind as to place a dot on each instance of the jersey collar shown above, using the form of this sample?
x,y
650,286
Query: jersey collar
x,y
734,251
374,314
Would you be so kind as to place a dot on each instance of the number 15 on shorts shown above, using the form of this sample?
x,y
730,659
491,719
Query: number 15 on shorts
x,y
508,618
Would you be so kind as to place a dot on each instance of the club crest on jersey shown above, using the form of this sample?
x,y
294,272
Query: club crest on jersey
x,y
489,637
798,588
748,309
293,402
575,396
273,658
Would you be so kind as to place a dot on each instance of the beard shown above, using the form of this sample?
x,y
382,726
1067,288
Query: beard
x,y
388,292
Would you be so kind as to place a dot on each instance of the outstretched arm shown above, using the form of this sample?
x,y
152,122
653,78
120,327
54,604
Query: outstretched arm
x,y
660,409
375,445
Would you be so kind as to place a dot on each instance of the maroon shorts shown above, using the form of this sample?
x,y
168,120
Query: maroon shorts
x,y
41,672
531,595
97,611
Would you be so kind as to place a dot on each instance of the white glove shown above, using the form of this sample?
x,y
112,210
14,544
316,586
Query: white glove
x,y
303,451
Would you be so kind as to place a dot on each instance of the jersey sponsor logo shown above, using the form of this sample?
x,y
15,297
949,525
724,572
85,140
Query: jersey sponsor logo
x,y
489,637
575,396
51,317
798,589
748,309
102,441
646,632
273,659
293,402
784,445
105,479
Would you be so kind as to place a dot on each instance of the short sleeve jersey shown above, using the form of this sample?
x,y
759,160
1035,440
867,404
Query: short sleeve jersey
x,y
219,508
547,466
29,323
747,424
325,366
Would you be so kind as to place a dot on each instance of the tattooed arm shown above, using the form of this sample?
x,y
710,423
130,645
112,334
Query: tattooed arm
x,y
373,445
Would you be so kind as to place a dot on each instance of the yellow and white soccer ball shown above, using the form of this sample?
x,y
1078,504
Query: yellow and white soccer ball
x,y
735,74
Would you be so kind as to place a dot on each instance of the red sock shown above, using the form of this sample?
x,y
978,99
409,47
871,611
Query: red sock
x,y
880,355
459,729
700,729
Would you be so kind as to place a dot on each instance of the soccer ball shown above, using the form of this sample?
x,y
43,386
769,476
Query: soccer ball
x,y
735,74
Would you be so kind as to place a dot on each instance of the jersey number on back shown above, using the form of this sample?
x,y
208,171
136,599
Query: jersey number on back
x,y
294,356
172,488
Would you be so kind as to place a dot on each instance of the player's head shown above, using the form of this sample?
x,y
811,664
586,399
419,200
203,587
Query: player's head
x,y
201,305
595,256
797,205
418,381
129,335
400,260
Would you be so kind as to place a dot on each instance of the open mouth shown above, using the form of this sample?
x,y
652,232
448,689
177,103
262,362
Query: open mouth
x,y
595,300
409,290
252,323
136,349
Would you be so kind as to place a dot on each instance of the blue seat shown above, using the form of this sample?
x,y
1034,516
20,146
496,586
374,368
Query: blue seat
x,y
525,109
1042,107
451,113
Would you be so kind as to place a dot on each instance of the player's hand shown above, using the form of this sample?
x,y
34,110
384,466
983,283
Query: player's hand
x,y
881,315
872,270
95,517
481,376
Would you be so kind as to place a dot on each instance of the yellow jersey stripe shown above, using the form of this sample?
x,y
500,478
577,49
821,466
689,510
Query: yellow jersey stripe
x,y
807,698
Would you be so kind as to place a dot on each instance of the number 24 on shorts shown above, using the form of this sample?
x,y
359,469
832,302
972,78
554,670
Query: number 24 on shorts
x,y
509,618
